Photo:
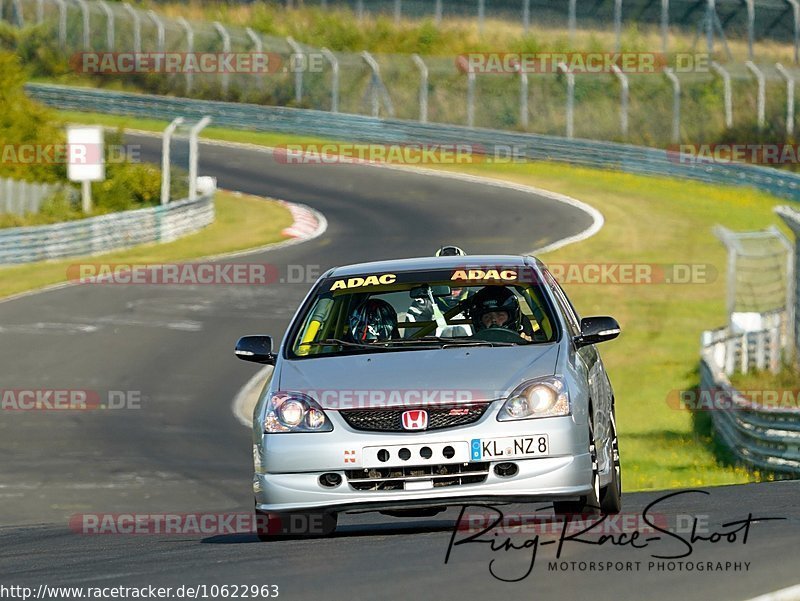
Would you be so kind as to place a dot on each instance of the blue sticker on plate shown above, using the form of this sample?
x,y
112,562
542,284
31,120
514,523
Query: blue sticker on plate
x,y
476,449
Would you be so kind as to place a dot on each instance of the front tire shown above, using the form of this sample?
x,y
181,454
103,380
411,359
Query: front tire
x,y
611,494
587,504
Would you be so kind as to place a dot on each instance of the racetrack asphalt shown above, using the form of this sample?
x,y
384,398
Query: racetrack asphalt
x,y
184,451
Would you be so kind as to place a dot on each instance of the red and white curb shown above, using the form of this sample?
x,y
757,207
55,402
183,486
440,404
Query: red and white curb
x,y
306,222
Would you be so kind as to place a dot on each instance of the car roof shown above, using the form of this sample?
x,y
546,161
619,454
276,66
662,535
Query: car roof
x,y
431,263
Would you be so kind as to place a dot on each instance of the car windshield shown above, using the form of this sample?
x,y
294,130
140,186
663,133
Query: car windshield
x,y
384,312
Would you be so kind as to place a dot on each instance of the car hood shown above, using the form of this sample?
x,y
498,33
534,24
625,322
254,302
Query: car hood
x,y
441,376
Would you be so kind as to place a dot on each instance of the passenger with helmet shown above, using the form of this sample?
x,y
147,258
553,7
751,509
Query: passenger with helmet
x,y
497,307
374,320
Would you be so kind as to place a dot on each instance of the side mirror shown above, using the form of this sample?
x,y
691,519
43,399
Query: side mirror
x,y
255,348
597,329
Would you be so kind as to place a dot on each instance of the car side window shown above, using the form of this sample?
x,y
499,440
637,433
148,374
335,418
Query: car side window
x,y
573,323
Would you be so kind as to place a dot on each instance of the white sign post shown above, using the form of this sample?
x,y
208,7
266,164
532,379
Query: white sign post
x,y
85,159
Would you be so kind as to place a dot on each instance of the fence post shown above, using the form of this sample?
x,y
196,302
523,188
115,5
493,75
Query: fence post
x,y
623,104
165,172
334,63
789,98
423,87
84,6
617,25
751,26
110,41
470,99
526,15
226,47
39,11
438,12
259,48
481,14
8,194
398,11
727,98
664,25
676,104
62,23
161,33
744,362
360,10
791,291
570,108
761,100
296,63
571,20
17,4
137,27
189,49
711,11
193,133
796,24
523,96
376,78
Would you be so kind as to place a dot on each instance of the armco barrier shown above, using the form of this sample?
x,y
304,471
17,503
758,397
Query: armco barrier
x,y
106,232
358,128
765,437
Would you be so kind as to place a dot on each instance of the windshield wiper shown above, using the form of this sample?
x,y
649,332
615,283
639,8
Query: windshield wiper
x,y
339,342
456,341
382,345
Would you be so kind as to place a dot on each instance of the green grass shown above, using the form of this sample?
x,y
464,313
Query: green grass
x,y
758,383
241,222
647,220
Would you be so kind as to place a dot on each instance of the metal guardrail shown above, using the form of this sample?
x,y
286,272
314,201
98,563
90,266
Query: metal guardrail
x,y
105,232
18,197
764,436
747,351
359,128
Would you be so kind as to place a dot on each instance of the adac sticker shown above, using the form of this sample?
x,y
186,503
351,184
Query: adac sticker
x,y
506,275
370,280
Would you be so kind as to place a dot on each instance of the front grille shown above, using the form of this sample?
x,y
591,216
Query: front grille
x,y
395,478
391,420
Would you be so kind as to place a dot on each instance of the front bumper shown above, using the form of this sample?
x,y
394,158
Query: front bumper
x,y
288,467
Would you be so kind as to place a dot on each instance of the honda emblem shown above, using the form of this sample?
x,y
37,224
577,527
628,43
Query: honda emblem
x,y
415,420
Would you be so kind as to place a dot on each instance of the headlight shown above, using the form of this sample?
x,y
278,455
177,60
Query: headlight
x,y
544,397
295,412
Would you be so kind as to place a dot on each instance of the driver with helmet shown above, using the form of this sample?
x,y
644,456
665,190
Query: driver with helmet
x,y
497,307
374,320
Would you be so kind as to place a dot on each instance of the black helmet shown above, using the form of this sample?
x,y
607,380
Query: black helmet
x,y
374,319
495,298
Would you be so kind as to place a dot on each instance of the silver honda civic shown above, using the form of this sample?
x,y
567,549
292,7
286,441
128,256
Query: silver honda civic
x,y
406,386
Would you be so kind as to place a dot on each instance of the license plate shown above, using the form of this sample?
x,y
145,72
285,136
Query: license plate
x,y
509,448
